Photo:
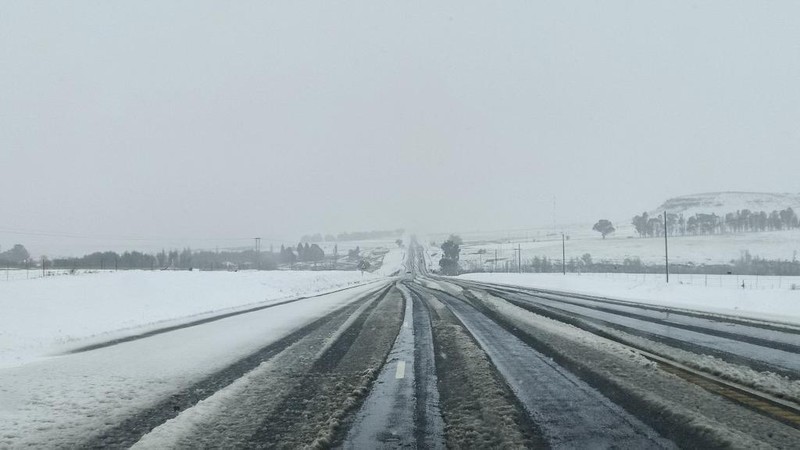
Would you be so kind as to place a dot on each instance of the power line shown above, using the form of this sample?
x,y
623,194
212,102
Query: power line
x,y
123,238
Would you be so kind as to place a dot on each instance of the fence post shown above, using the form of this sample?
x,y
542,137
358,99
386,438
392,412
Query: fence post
x,y
666,247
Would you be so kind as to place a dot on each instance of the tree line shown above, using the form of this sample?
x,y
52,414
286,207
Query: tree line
x,y
16,256
184,259
302,253
188,259
193,259
451,251
701,224
353,236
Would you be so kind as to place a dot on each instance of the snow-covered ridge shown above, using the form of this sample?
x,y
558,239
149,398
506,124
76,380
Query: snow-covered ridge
x,y
721,203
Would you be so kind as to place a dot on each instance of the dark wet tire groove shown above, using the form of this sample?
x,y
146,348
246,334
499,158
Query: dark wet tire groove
x,y
336,352
276,427
425,378
449,370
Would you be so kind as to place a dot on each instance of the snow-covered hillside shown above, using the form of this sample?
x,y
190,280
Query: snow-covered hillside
x,y
721,203
480,247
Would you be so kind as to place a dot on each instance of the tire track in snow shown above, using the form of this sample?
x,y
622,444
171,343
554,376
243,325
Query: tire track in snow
x,y
317,409
129,431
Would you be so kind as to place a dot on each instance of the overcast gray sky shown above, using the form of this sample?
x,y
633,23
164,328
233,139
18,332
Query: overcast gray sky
x,y
217,120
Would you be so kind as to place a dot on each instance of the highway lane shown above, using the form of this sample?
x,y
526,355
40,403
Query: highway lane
x,y
570,413
784,359
780,336
402,407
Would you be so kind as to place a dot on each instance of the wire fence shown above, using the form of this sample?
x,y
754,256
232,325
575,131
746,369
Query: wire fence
x,y
33,273
747,273
747,282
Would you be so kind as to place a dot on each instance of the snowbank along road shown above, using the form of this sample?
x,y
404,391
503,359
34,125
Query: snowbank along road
x,y
423,362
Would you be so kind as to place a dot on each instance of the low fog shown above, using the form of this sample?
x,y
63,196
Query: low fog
x,y
151,124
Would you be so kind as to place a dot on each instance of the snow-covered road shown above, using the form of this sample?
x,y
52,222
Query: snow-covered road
x,y
66,399
545,389
774,349
415,360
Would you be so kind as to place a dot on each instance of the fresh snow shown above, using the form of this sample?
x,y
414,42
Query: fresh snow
x,y
393,261
41,317
772,305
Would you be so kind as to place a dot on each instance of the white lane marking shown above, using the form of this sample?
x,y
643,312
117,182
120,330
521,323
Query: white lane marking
x,y
401,370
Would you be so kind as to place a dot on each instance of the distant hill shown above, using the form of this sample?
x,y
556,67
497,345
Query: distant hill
x,y
721,203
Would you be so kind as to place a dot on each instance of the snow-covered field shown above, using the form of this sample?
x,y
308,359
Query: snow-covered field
x,y
765,304
393,261
48,315
721,203
385,255
365,245
717,249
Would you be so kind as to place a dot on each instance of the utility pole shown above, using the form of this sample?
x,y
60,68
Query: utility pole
x,y
44,264
563,254
258,253
554,213
519,259
495,261
666,247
